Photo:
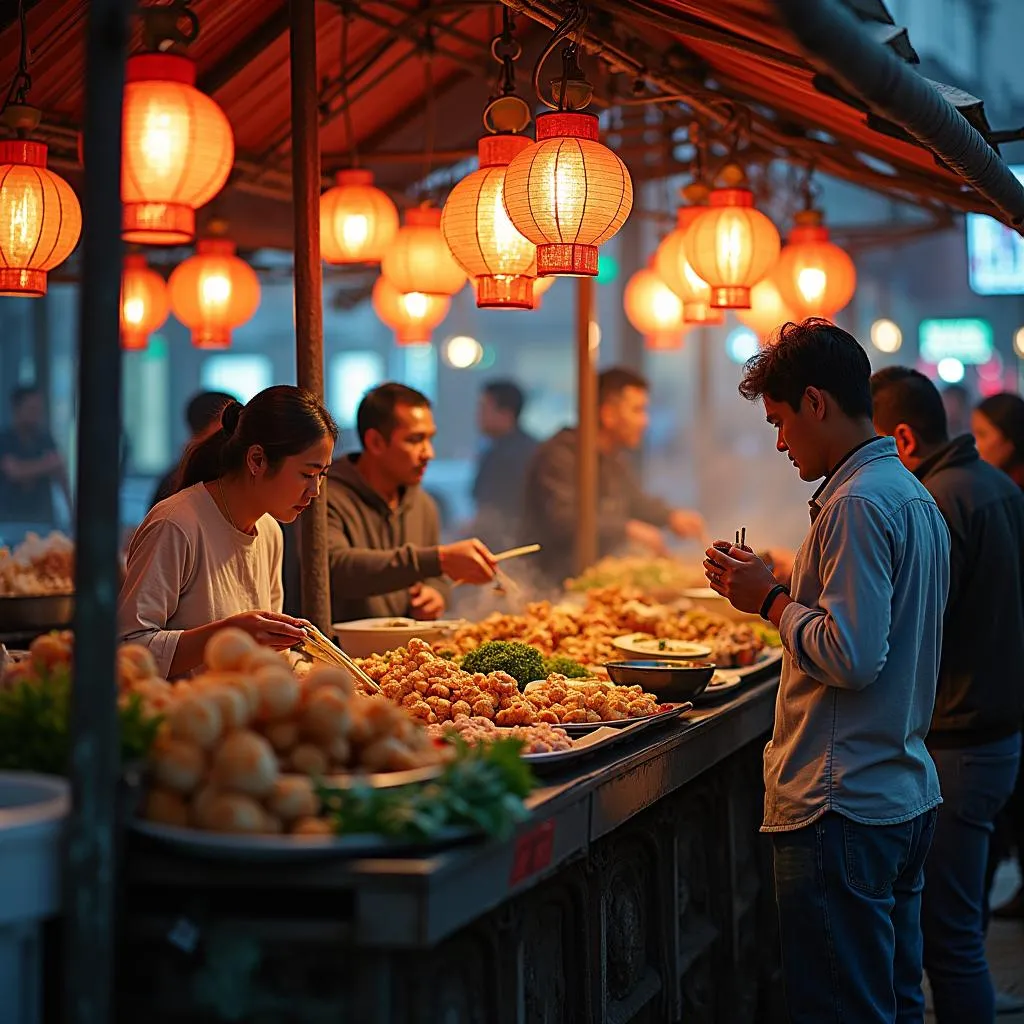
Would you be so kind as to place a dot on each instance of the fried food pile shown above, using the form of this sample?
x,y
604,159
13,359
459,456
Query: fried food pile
x,y
536,739
231,733
587,634
38,567
435,689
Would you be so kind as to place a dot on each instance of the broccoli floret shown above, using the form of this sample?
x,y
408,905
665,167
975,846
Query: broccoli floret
x,y
521,661
564,666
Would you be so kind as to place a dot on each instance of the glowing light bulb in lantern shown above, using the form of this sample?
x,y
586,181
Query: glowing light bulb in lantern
x,y
815,276
731,245
357,220
419,260
767,310
178,150
214,292
411,315
40,219
568,194
145,304
501,262
654,310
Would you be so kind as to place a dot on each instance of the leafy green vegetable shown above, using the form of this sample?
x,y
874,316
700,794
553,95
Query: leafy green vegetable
x,y
769,634
482,788
565,666
35,725
521,661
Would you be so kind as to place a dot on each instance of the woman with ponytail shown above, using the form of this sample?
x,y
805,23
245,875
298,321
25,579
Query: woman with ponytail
x,y
211,555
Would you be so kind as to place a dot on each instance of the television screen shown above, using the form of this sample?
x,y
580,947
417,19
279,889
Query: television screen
x,y
995,254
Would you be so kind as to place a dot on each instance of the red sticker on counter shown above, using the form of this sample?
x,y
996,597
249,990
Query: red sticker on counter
x,y
532,852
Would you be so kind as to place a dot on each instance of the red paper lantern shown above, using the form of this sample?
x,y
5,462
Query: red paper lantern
x,y
357,220
815,276
654,310
419,260
214,292
731,245
411,315
500,261
145,304
178,150
568,194
768,310
40,219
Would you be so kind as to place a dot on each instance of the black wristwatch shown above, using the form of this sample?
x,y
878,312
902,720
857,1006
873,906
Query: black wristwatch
x,y
766,606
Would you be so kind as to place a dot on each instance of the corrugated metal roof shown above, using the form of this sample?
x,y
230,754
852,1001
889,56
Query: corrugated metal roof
x,y
734,48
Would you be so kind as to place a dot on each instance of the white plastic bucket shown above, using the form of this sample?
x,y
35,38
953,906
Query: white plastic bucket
x,y
33,811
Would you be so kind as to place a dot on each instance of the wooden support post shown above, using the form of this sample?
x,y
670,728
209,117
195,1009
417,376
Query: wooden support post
x,y
90,869
309,314
586,400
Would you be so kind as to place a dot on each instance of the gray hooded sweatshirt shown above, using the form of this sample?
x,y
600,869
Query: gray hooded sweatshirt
x,y
377,552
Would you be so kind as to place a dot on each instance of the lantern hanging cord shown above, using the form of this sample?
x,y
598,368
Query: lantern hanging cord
x,y
346,105
809,188
573,24
506,51
22,81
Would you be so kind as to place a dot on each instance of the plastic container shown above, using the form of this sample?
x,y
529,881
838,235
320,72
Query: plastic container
x,y
33,812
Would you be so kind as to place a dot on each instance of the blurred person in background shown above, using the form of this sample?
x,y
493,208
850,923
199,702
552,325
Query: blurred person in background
x,y
851,791
202,414
386,559
626,514
30,464
501,472
974,738
957,402
998,423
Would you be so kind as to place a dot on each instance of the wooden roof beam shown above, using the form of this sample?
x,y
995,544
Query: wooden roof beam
x,y
216,77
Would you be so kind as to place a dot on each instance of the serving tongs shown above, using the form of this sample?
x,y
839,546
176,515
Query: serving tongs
x,y
316,645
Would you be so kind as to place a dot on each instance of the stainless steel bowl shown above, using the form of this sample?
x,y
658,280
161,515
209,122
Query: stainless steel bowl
x,y
25,613
673,681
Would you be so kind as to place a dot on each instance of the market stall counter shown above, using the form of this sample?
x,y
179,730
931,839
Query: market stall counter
x,y
636,891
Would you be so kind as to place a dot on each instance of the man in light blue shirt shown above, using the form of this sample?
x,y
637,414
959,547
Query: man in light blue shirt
x,y
851,790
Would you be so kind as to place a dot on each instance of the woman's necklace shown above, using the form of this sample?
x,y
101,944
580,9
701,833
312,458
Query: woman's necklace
x,y
224,504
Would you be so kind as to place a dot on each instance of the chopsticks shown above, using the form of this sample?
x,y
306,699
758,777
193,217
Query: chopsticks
x,y
502,580
741,539
526,549
318,646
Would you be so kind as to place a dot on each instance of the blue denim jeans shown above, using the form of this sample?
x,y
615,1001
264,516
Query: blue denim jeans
x,y
976,783
849,898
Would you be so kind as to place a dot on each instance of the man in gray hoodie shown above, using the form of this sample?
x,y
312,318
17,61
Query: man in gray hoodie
x,y
383,530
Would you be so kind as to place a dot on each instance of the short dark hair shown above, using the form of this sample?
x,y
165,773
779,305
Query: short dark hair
x,y
284,420
23,391
613,381
377,409
902,395
205,408
811,354
507,395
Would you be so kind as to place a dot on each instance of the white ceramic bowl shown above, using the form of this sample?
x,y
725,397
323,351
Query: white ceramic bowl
x,y
364,637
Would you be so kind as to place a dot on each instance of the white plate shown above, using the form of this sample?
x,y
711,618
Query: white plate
x,y
769,656
722,684
264,849
674,650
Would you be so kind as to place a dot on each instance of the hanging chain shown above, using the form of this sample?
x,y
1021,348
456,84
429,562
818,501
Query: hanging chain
x,y
506,51
22,81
